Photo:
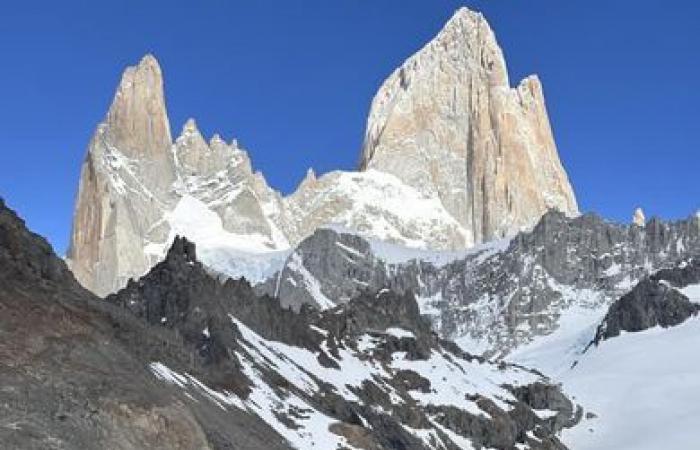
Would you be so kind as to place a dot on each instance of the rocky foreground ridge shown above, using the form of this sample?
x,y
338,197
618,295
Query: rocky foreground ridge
x,y
446,134
181,360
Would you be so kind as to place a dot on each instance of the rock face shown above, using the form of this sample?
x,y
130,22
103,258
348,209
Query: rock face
x,y
124,184
75,369
638,218
448,123
180,360
134,177
656,300
500,296
474,159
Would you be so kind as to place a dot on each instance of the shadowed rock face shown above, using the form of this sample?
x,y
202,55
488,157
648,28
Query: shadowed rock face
x,y
179,360
74,369
500,295
655,301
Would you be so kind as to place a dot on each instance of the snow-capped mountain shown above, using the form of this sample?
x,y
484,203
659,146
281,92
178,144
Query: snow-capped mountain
x,y
448,123
398,306
446,135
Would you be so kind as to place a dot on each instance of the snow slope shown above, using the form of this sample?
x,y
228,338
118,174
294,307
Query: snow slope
x,y
692,292
644,387
235,255
454,382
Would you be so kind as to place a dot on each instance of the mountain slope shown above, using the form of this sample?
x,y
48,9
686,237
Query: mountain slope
x,y
74,369
180,360
635,372
499,297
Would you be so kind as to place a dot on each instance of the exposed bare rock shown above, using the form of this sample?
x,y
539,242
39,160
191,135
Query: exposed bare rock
x,y
501,296
179,360
638,218
124,184
453,156
447,123
75,370
221,176
656,300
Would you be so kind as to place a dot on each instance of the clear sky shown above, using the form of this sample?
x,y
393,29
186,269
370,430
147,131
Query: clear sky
x,y
293,79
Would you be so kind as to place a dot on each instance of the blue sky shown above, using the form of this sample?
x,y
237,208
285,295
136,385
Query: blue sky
x,y
293,81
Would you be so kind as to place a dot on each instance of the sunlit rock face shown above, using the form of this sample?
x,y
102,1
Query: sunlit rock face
x,y
638,218
453,157
124,183
448,123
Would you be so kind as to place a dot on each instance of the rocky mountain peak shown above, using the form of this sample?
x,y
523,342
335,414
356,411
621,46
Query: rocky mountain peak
x,y
190,127
190,138
137,119
311,174
656,300
196,157
638,218
217,141
448,124
474,158
468,38
182,249
309,179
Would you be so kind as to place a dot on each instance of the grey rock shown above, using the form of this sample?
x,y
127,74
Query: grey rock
x,y
74,368
653,301
498,296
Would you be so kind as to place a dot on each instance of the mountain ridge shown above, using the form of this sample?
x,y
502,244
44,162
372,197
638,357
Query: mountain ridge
x,y
180,360
136,182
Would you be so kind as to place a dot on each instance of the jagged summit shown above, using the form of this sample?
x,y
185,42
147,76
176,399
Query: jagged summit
x,y
182,248
137,119
452,157
468,38
190,126
638,218
448,124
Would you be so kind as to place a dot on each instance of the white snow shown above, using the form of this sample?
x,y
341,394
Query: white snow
x,y
644,387
452,380
162,372
692,292
398,254
318,330
192,218
380,206
400,333
349,250
249,255
554,353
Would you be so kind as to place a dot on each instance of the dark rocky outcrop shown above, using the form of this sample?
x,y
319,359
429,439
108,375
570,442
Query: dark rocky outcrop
x,y
74,369
654,301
